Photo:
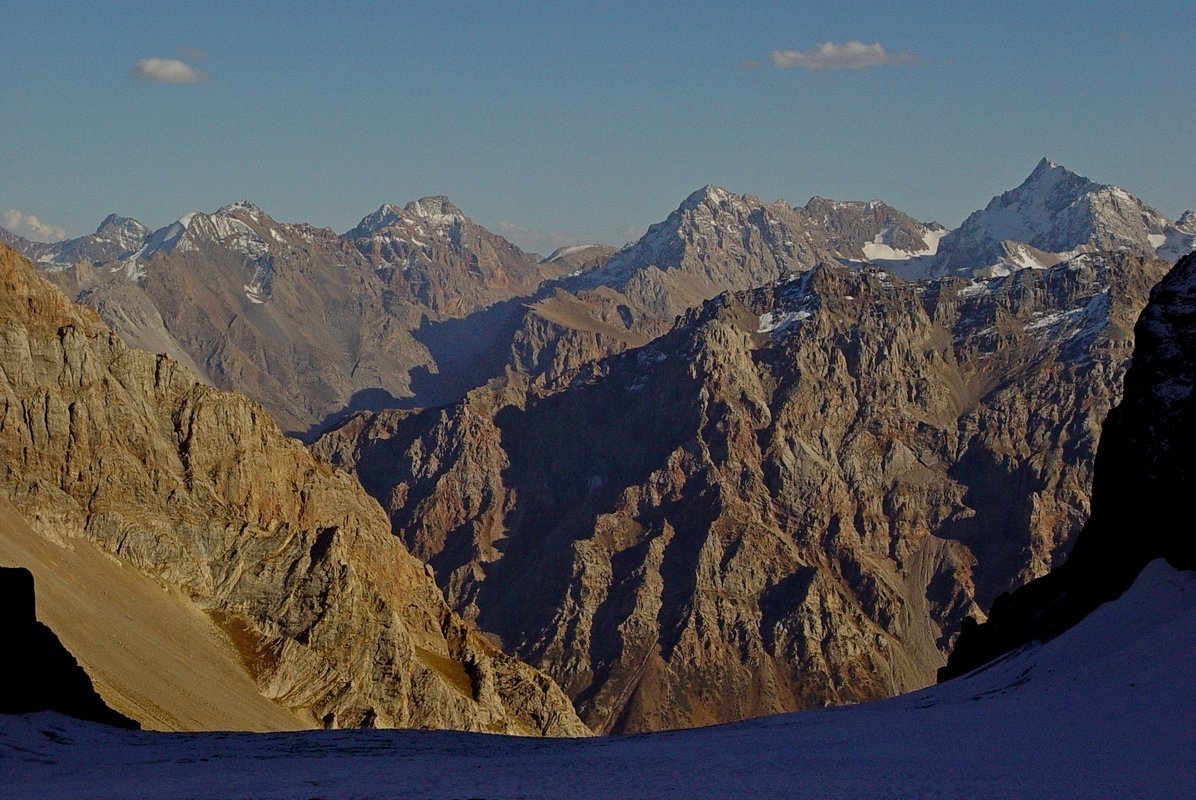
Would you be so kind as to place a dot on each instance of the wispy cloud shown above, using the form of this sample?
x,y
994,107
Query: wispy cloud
x,y
536,241
167,70
851,55
31,227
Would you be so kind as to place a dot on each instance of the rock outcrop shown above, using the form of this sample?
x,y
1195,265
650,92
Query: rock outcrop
x,y
793,498
1145,467
198,489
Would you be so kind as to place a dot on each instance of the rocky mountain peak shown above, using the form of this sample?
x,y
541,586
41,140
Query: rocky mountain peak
x,y
709,221
1053,211
712,197
115,224
436,210
243,208
1047,172
232,227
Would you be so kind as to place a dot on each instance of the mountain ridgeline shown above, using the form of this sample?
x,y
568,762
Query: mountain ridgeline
x,y
418,304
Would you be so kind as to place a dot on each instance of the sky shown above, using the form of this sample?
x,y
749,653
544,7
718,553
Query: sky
x,y
556,123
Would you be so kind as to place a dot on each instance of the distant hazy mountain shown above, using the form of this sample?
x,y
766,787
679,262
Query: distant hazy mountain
x,y
307,322
431,255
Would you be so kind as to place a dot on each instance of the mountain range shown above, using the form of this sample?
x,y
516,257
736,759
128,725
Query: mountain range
x,y
418,304
1093,701
764,458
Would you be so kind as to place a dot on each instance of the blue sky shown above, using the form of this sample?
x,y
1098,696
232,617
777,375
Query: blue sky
x,y
560,122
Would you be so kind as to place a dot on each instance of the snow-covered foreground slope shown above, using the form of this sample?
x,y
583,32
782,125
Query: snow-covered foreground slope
x,y
1106,710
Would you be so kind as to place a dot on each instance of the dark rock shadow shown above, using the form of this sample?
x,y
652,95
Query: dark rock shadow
x,y
37,673
466,353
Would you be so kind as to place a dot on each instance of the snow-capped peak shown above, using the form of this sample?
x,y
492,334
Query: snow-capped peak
x,y
1049,177
251,209
384,216
436,210
1054,211
715,198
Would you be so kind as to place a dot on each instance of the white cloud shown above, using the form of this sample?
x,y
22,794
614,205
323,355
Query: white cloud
x,y
852,55
31,227
167,70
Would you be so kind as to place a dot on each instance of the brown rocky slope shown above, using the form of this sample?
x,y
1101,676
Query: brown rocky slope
x,y
1145,468
198,489
793,498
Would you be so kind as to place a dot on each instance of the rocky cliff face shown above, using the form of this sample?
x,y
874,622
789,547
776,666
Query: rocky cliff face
x,y
872,230
1144,469
792,498
200,490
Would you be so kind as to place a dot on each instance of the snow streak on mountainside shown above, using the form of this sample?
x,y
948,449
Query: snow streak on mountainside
x,y
1103,712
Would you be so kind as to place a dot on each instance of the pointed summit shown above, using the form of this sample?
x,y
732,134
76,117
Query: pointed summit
x,y
1045,166
1056,212
1048,175
386,214
436,211
709,195
114,222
